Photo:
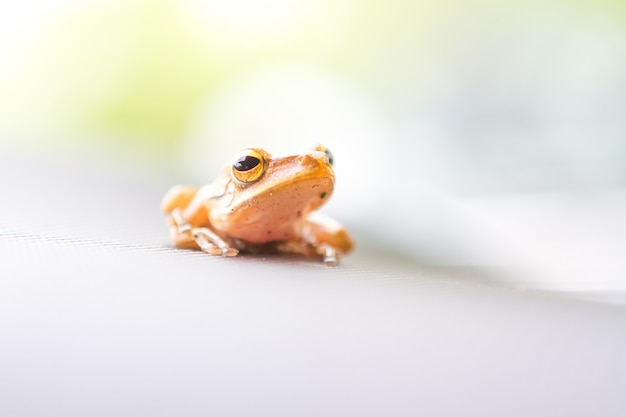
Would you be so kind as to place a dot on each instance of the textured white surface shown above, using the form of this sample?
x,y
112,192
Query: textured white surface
x,y
99,316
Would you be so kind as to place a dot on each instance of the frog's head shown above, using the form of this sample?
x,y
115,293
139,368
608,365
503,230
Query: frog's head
x,y
267,196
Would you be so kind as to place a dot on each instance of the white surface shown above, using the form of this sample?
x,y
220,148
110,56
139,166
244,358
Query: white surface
x,y
99,316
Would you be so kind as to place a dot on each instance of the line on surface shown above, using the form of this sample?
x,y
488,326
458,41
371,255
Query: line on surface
x,y
81,242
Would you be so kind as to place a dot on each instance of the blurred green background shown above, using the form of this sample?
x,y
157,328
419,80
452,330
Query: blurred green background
x,y
464,84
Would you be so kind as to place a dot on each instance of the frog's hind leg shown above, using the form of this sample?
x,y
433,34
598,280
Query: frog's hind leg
x,y
174,204
327,238
178,197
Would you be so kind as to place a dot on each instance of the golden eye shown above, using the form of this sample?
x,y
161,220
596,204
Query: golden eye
x,y
322,148
249,166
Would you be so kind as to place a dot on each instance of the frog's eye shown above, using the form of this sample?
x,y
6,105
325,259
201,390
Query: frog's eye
x,y
249,166
324,149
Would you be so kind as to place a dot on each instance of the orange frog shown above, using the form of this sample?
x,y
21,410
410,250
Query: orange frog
x,y
261,203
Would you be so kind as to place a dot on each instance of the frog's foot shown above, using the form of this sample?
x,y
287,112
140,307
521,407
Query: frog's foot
x,y
182,227
211,243
329,254
180,230
327,238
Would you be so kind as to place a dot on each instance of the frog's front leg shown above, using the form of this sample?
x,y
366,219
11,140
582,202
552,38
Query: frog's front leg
x,y
211,243
328,237
189,221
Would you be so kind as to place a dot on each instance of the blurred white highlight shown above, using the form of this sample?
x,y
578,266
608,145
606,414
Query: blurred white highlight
x,y
251,21
284,108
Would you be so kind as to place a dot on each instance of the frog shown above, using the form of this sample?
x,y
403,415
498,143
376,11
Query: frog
x,y
261,203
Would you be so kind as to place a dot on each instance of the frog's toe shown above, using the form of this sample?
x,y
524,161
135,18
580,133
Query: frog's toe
x,y
329,254
206,246
205,241
229,251
180,223
211,243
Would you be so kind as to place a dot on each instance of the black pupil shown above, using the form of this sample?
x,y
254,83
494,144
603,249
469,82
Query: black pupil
x,y
246,163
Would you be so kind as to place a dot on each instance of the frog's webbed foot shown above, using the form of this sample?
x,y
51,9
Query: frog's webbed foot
x,y
211,243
